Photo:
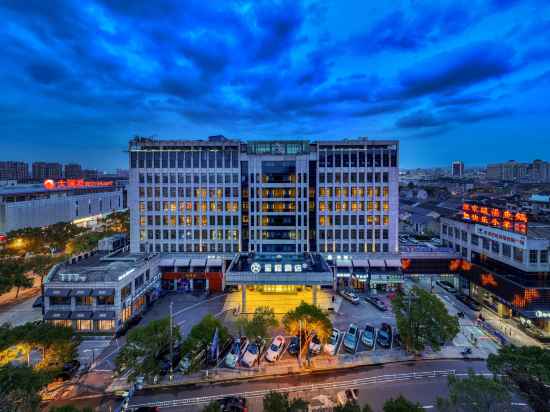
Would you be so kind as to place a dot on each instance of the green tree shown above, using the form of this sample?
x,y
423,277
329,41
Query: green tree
x,y
14,272
352,407
213,406
528,369
422,319
310,320
401,404
262,321
476,393
19,387
202,333
41,265
279,402
143,347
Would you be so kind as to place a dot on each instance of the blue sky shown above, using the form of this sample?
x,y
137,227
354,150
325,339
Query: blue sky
x,y
451,80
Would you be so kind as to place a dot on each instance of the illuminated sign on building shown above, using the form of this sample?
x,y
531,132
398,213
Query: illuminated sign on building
x,y
509,238
51,184
495,217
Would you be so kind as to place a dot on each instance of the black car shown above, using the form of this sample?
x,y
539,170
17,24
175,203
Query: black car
x,y
448,286
294,345
376,302
232,404
468,301
384,336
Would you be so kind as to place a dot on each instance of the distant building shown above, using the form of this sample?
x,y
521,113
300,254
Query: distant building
x,y
73,171
511,171
44,170
458,168
90,174
14,171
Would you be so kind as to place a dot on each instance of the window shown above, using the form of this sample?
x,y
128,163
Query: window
x,y
60,300
485,244
475,240
507,250
495,246
543,256
533,256
518,255
444,229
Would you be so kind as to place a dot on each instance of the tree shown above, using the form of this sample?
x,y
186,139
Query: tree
x,y
422,319
310,320
476,393
213,406
401,404
14,274
41,265
19,387
202,333
528,369
260,324
144,346
279,402
352,407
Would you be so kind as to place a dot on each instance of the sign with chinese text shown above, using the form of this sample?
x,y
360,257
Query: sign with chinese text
x,y
51,184
509,238
494,217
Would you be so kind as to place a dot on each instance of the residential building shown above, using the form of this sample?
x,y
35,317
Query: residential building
x,y
458,168
18,171
535,172
73,171
44,170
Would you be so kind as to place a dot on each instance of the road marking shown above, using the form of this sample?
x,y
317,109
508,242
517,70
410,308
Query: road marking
x,y
195,305
428,407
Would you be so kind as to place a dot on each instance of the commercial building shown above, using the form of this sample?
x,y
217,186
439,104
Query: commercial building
x,y
458,168
73,171
506,262
231,200
101,291
44,170
536,172
18,171
38,205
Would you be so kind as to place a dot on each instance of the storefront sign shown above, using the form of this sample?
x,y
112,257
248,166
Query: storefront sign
x,y
183,275
385,279
276,267
509,238
51,184
541,314
495,217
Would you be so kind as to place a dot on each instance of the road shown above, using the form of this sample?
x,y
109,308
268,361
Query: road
x,y
424,391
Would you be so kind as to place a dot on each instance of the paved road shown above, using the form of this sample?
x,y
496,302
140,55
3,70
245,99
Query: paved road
x,y
428,394
21,313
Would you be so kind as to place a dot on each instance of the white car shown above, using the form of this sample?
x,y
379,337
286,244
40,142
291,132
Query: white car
x,y
238,346
332,344
315,345
347,396
350,296
275,349
251,355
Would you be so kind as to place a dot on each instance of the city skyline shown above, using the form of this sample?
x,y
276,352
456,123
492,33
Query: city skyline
x,y
449,81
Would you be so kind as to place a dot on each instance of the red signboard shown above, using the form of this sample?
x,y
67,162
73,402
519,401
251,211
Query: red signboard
x,y
51,184
495,217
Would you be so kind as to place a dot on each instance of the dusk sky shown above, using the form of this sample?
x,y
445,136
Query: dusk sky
x,y
451,80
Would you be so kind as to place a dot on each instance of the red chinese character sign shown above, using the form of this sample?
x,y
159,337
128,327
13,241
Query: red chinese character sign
x,y
495,217
51,184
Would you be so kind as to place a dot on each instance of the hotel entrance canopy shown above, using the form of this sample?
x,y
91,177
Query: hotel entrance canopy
x,y
278,269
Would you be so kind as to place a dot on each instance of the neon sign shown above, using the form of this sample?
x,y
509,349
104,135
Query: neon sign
x,y
51,184
495,217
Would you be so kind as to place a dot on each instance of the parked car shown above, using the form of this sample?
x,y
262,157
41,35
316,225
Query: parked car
x,y
350,296
369,336
294,345
232,404
347,396
384,336
332,345
251,354
275,349
448,286
377,303
468,301
351,338
234,353
315,345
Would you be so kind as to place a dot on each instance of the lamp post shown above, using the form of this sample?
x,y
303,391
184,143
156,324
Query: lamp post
x,y
171,343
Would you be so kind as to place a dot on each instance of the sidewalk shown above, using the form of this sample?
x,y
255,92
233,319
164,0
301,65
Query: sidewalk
x,y
509,330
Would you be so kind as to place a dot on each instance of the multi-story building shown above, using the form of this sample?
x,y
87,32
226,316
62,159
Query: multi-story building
x,y
458,168
18,171
44,170
76,201
536,172
507,262
73,171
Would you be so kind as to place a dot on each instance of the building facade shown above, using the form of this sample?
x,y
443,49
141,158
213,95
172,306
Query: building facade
x,y
73,171
18,171
226,196
45,170
458,168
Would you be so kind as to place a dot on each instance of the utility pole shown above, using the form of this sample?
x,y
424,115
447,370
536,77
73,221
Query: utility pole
x,y
300,343
171,343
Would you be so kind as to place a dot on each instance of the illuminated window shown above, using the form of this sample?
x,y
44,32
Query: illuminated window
x,y
386,220
386,206
322,220
322,206
386,191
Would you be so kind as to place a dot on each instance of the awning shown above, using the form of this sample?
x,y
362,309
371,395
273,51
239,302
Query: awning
x,y
360,263
377,263
198,262
393,263
341,263
105,315
103,292
180,262
81,314
57,292
214,262
166,262
81,292
57,315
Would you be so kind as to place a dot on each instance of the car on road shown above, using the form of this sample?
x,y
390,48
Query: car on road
x,y
468,301
315,345
275,349
377,303
369,336
347,396
234,353
351,338
332,345
350,296
294,345
251,354
384,336
446,285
